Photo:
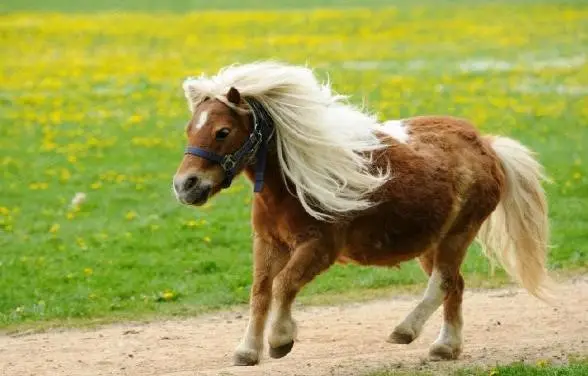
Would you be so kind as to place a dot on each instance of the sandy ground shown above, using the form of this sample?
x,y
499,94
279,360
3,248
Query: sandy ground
x,y
500,326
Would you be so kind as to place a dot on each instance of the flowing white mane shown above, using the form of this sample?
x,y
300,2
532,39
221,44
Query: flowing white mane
x,y
323,144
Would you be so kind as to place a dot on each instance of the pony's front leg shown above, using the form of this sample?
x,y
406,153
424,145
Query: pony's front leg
x,y
308,260
267,262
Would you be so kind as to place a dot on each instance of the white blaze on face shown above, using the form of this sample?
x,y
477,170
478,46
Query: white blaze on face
x,y
395,129
202,119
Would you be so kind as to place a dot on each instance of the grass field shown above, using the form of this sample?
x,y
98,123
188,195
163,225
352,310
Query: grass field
x,y
574,368
91,102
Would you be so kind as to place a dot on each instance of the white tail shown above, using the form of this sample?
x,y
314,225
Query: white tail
x,y
517,232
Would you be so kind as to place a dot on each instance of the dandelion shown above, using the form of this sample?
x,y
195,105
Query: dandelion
x,y
167,295
64,175
207,239
134,119
81,243
130,215
191,223
96,185
88,272
542,363
54,228
38,186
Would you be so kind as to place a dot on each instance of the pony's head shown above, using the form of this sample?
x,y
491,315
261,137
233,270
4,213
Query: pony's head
x,y
321,145
219,127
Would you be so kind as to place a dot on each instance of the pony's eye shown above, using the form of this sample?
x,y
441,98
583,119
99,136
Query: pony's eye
x,y
222,134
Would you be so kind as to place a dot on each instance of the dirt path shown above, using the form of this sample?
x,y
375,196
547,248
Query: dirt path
x,y
501,326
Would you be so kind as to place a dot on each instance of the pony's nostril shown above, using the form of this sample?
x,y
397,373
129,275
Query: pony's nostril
x,y
190,183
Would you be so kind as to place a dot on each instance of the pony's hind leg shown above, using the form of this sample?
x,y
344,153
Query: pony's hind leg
x,y
445,287
307,261
448,260
410,328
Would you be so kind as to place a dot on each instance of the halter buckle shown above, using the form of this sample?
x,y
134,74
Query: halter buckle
x,y
229,162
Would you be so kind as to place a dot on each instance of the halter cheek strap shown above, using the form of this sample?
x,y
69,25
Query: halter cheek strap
x,y
256,145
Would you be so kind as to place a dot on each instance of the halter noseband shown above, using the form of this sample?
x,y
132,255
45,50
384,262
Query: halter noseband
x,y
256,145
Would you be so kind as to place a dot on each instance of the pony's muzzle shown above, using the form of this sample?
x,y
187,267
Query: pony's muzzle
x,y
191,190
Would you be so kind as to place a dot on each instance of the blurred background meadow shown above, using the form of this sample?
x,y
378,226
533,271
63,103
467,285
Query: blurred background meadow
x,y
91,103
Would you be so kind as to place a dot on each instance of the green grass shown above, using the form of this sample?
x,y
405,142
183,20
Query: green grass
x,y
574,368
200,5
92,103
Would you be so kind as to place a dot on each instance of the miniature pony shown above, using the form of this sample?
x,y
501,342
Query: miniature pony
x,y
334,185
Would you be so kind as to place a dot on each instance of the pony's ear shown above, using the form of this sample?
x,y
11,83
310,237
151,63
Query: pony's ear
x,y
234,96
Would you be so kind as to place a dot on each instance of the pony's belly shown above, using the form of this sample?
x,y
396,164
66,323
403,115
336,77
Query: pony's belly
x,y
376,254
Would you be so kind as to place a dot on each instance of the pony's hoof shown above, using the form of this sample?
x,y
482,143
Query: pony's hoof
x,y
281,351
402,336
245,358
442,351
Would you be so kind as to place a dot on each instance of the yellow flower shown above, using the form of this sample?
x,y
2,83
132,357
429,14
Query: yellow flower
x,y
96,185
4,211
38,186
54,228
130,215
82,243
192,223
168,295
64,175
207,239
88,271
542,363
134,119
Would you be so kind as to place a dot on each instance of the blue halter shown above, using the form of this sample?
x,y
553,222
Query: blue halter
x,y
256,145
